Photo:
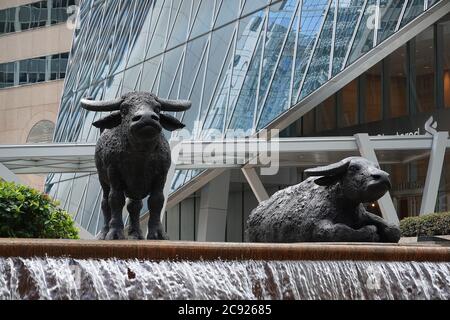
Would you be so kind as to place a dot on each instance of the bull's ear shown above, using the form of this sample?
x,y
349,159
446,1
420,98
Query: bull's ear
x,y
110,121
327,180
170,123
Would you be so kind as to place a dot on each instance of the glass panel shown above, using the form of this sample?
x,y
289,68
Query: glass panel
x,y
348,112
397,83
253,5
413,9
278,99
130,79
425,70
140,30
313,12
244,112
347,17
389,14
194,52
228,11
326,115
149,74
203,20
181,28
215,115
280,15
446,63
309,123
372,108
194,68
171,63
320,64
364,37
218,62
157,42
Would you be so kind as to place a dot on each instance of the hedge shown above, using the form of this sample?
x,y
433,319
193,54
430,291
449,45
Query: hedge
x,y
27,213
433,224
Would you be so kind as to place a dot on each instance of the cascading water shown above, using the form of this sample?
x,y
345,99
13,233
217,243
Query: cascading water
x,y
66,278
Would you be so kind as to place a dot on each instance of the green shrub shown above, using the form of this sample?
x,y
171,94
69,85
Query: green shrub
x,y
27,213
433,224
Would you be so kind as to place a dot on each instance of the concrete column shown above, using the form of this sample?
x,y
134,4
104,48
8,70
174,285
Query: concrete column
x,y
8,175
385,202
213,209
255,183
435,163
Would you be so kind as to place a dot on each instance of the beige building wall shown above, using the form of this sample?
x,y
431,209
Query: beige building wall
x,y
35,43
21,108
24,106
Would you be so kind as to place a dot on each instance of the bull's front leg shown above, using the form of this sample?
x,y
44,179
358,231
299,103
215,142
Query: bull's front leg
x,y
134,209
116,201
327,231
155,205
388,232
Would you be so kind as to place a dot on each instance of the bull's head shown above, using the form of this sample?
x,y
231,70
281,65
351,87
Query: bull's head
x,y
140,112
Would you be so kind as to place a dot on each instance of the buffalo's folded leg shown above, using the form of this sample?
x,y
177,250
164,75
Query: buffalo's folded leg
x,y
388,232
134,209
327,231
155,228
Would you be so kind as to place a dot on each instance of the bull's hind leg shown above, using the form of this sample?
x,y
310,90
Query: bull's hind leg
x,y
155,205
134,208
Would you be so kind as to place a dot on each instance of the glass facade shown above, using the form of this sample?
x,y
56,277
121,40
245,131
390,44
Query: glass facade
x,y
395,97
242,63
33,70
34,15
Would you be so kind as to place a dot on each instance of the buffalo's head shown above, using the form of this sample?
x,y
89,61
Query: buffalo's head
x,y
361,180
141,113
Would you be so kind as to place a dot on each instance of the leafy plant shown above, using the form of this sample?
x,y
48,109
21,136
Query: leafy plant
x,y
27,213
433,224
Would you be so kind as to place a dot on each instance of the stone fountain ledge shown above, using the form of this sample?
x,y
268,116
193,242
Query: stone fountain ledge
x,y
179,250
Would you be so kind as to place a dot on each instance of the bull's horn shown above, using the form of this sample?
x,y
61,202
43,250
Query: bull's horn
x,y
110,105
174,105
330,170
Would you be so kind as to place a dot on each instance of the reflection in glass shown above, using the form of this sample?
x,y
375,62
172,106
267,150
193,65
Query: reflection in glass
x,y
347,18
397,83
348,105
390,11
425,70
446,63
372,87
363,41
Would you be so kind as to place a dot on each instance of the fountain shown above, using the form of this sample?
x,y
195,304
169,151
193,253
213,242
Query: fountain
x,y
64,269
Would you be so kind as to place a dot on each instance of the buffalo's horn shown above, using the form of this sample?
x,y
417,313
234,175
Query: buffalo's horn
x,y
110,105
330,170
174,105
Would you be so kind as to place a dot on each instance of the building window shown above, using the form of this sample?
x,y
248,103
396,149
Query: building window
x,y
396,83
326,115
348,105
34,15
446,63
42,132
424,63
33,70
372,88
